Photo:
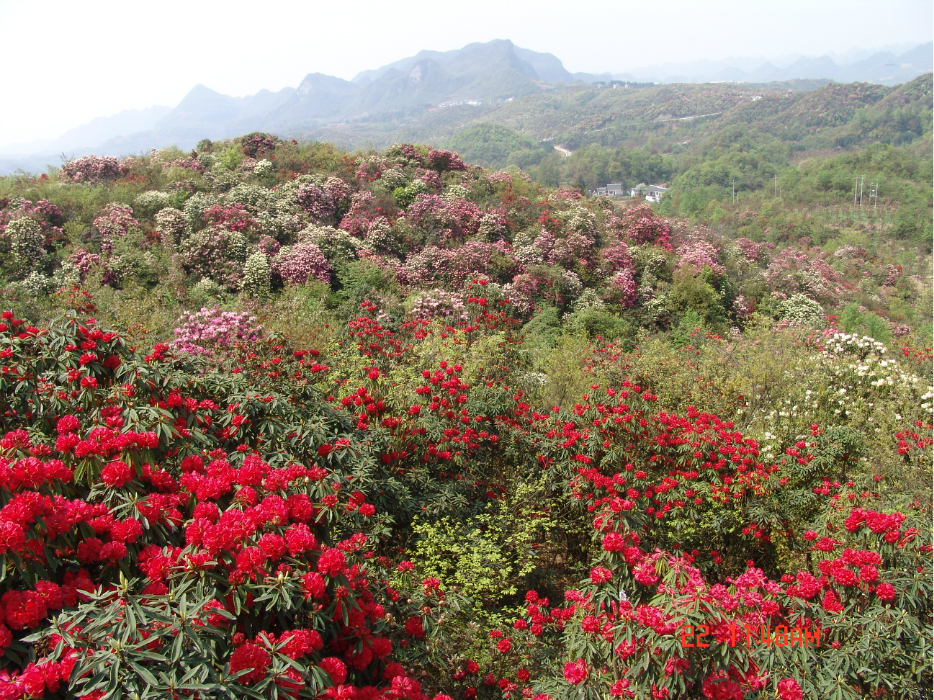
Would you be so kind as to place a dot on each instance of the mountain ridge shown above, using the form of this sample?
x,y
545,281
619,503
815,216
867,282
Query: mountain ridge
x,y
475,76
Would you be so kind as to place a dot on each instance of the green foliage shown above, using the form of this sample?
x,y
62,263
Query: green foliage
x,y
690,292
486,557
852,320
544,329
402,197
360,279
564,368
490,145
230,158
595,322
690,326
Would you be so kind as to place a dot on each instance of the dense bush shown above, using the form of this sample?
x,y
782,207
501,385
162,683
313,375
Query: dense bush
x,y
475,439
217,518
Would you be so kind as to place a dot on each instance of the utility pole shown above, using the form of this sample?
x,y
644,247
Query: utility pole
x,y
734,191
861,178
776,185
855,190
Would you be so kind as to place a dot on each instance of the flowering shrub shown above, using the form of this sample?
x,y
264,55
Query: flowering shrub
x,y
215,253
429,179
741,307
296,264
465,489
321,201
211,330
194,208
752,251
791,273
799,310
360,214
36,284
430,215
624,288
264,168
317,202
232,218
391,178
269,246
83,262
256,273
531,249
699,249
47,215
258,144
253,198
379,236
639,224
148,203
188,163
637,600
257,524
27,244
90,170
442,161
251,476
114,222
617,256
492,226
171,225
372,167
431,265
574,249
439,304
406,153
336,245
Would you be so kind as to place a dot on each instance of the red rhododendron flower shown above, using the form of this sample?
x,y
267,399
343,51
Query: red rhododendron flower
x,y
314,585
116,474
575,672
413,627
335,668
67,424
718,686
12,537
788,689
250,656
332,562
885,591
600,575
614,542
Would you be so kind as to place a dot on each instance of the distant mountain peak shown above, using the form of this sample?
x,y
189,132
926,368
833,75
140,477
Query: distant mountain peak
x,y
475,75
534,65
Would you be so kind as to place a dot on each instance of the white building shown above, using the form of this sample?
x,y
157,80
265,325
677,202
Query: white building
x,y
653,193
614,189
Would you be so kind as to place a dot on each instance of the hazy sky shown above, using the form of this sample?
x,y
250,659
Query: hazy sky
x,y
64,62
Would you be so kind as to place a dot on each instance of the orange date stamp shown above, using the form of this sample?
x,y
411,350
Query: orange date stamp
x,y
752,635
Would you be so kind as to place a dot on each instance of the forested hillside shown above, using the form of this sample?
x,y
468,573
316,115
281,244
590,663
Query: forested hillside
x,y
792,157
285,420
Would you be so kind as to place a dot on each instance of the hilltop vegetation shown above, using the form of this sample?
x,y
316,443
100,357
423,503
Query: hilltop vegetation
x,y
282,420
792,157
